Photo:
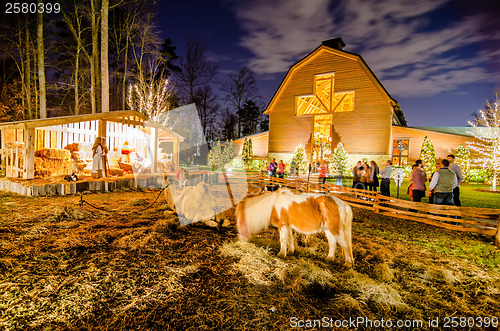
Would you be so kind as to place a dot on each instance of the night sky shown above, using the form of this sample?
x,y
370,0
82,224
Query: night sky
x,y
440,59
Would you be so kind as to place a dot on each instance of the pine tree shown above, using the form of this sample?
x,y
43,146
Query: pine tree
x,y
247,153
211,161
227,155
339,160
300,159
462,159
487,144
428,156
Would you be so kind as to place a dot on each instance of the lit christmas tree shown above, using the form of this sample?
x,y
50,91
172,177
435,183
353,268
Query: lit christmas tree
x,y
487,144
227,154
216,155
339,161
300,159
247,153
462,159
428,157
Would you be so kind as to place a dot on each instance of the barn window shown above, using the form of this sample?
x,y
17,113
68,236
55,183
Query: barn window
x,y
400,151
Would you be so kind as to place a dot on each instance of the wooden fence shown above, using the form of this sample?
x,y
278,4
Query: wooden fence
x,y
479,220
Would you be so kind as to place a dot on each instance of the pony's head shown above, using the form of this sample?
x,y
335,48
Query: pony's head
x,y
254,214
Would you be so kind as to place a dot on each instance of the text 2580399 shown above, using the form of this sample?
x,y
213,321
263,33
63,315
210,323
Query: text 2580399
x,y
32,8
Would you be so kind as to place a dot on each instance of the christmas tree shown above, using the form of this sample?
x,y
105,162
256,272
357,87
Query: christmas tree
x,y
428,156
487,143
462,159
339,160
247,153
300,159
215,155
227,155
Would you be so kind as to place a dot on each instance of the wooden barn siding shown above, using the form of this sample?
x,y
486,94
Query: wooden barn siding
x,y
366,130
444,143
259,145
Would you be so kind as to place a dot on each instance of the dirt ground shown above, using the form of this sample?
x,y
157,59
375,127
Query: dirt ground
x,y
64,267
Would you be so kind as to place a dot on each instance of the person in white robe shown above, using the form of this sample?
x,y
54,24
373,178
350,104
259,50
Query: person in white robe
x,y
98,154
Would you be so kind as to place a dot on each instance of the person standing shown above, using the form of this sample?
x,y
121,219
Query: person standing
x,y
281,169
364,177
442,184
431,192
418,177
322,173
385,174
456,169
273,166
373,182
97,159
355,176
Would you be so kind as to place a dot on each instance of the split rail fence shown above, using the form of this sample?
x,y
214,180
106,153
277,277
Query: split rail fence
x,y
467,219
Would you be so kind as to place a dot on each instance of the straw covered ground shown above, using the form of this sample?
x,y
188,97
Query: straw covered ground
x,y
63,267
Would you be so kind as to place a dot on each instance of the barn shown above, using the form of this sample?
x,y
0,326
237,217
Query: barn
x,y
333,96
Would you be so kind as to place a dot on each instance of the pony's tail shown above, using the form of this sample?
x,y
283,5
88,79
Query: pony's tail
x,y
348,231
241,225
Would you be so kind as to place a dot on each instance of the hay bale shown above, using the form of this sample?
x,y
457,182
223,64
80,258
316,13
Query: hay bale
x,y
53,153
115,172
38,163
74,147
56,161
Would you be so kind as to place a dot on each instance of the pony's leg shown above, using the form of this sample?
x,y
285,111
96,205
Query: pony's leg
x,y
283,241
344,240
332,242
291,241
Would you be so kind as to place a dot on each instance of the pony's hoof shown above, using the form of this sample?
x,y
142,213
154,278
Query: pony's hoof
x,y
282,255
330,259
349,265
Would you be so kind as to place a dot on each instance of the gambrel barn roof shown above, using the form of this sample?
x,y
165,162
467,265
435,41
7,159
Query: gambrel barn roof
x,y
334,46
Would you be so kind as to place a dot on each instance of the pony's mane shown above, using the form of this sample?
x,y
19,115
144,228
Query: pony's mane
x,y
258,212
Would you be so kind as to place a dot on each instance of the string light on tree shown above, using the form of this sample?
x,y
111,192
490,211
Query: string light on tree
x,y
487,143
247,153
300,159
339,160
428,156
462,159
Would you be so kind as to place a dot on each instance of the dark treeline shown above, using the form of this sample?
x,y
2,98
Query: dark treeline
x,y
105,55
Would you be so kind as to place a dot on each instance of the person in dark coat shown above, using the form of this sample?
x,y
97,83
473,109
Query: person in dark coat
x,y
373,181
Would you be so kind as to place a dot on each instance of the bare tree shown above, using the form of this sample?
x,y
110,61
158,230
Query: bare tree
x,y
197,70
240,87
104,57
206,103
41,64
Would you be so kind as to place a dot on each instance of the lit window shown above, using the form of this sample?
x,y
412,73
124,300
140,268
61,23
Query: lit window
x,y
400,152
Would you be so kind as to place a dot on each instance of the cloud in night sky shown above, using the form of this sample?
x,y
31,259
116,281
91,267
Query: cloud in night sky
x,y
406,44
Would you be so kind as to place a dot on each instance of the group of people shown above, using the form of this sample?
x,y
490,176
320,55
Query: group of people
x,y
365,176
444,187
274,168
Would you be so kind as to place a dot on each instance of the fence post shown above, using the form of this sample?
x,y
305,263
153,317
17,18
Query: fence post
x,y
497,235
376,203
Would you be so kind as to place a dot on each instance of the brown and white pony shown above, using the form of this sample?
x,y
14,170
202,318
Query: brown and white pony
x,y
305,213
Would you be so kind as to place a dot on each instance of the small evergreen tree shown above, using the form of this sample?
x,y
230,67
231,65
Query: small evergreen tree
x,y
211,160
247,153
216,154
428,156
339,160
227,154
300,158
462,159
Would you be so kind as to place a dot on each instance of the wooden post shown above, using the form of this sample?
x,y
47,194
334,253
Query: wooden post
x,y
29,157
101,131
154,135
497,235
176,153
376,203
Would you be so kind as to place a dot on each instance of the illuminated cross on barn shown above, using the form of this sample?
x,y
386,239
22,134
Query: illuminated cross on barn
x,y
321,105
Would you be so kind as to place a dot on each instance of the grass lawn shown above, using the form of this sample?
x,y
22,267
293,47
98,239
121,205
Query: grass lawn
x,y
470,194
